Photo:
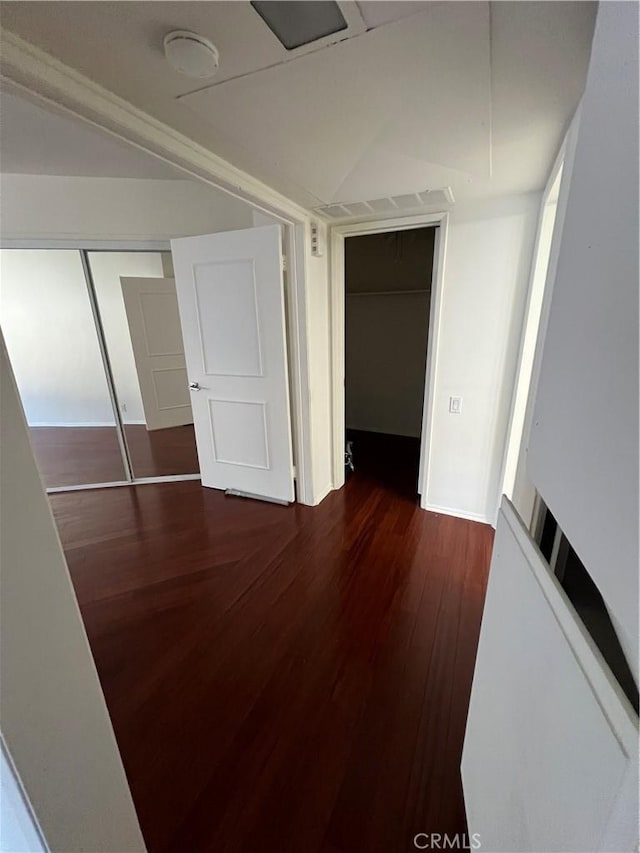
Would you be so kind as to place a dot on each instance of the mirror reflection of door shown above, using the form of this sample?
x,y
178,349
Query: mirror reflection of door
x,y
156,337
168,446
139,311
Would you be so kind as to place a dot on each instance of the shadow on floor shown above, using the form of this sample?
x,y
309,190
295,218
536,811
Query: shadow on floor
x,y
391,461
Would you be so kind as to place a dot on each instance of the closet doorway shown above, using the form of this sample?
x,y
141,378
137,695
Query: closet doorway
x,y
388,280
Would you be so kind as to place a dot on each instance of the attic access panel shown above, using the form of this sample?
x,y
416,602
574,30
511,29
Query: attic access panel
x,y
298,22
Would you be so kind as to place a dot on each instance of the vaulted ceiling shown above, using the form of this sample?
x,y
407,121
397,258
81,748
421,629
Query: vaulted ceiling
x,y
38,141
473,96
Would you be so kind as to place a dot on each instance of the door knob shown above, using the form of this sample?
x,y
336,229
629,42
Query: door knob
x,y
194,386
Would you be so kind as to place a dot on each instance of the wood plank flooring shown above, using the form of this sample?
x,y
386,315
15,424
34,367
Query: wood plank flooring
x,y
162,452
74,456
282,678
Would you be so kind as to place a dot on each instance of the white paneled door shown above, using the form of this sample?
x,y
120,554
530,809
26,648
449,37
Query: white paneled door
x,y
156,337
231,298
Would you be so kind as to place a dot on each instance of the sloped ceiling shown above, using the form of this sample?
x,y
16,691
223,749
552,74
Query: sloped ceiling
x,y
415,92
470,95
36,141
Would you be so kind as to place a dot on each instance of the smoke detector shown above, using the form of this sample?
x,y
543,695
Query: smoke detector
x,y
191,54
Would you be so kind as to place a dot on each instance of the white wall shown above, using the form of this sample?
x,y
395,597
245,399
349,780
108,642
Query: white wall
x,y
46,319
45,206
54,718
583,456
487,262
385,356
51,338
550,758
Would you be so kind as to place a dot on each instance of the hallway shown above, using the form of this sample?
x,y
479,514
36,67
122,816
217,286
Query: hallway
x,y
281,679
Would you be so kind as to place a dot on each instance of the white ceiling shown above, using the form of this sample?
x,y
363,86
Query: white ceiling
x,y
37,141
470,95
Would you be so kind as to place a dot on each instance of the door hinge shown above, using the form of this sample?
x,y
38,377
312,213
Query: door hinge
x,y
284,263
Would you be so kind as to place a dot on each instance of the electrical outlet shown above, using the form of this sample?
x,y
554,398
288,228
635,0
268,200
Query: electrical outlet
x,y
455,405
317,240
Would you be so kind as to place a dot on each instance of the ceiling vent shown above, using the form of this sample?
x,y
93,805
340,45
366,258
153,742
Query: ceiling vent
x,y
389,204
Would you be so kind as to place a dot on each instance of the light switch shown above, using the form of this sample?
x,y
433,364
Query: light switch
x,y
455,405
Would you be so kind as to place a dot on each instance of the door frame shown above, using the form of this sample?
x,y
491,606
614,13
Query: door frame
x,y
531,323
338,234
516,486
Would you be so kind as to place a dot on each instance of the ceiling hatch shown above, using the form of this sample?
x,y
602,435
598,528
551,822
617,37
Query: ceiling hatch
x,y
298,22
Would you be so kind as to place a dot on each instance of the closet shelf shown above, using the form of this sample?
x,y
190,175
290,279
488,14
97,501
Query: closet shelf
x,y
386,292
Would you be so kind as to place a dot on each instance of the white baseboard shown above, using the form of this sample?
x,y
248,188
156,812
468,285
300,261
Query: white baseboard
x,y
84,424
323,494
459,513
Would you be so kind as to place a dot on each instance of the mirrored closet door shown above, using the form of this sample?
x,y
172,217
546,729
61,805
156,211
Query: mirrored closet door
x,y
50,333
95,342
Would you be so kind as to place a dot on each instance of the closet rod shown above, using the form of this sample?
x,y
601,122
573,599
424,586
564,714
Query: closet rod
x,y
385,292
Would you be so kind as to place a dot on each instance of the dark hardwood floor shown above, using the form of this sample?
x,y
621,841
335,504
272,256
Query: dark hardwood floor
x,y
162,452
282,678
73,456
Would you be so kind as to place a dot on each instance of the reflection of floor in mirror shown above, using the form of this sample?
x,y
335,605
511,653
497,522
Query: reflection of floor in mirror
x,y
71,456
162,452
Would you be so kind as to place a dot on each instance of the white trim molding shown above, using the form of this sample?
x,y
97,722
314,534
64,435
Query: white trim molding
x,y
323,494
97,245
461,513
514,484
337,235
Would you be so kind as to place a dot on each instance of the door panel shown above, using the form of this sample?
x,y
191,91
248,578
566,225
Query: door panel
x,y
231,299
226,295
156,337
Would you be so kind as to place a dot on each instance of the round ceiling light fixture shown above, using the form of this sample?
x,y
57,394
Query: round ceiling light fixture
x,y
191,54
